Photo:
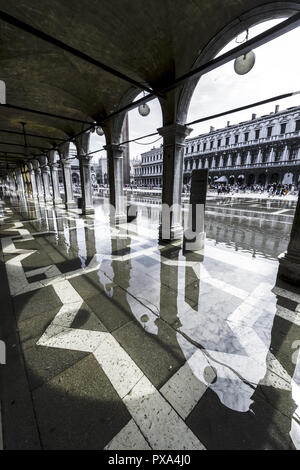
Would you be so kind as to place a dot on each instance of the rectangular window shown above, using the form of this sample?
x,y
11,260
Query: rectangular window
x,y
282,128
246,136
257,134
219,143
198,148
236,139
204,146
269,131
298,125
211,144
227,141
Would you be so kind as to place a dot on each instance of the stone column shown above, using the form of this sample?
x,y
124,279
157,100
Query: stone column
x,y
173,147
289,263
54,177
115,175
67,176
82,145
20,182
11,185
38,179
33,180
45,178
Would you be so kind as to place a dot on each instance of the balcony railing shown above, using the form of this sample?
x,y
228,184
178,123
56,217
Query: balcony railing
x,y
253,166
241,145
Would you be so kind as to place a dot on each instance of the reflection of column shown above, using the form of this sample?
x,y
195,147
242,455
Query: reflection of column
x,y
20,182
289,268
45,178
115,170
169,277
90,241
82,145
173,154
54,177
67,176
38,179
72,228
194,237
32,179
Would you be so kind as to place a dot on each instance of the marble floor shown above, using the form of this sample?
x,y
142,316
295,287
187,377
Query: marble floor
x,y
116,341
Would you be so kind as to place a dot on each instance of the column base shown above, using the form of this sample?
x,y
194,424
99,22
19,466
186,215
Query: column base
x,y
87,210
70,205
175,233
118,219
194,242
289,268
57,202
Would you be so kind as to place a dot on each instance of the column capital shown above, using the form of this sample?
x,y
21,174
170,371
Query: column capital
x,y
115,149
53,165
176,130
66,162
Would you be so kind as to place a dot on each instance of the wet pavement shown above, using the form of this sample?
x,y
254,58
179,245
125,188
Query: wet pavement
x,y
117,341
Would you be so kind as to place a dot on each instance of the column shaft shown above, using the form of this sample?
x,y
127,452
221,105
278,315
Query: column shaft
x,y
115,174
55,183
173,154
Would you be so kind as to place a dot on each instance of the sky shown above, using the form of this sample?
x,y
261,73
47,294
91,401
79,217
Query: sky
x,y
276,71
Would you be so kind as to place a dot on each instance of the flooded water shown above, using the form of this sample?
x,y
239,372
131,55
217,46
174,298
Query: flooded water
x,y
132,337
260,228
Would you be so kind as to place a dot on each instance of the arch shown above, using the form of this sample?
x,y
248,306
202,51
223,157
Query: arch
x,y
262,178
274,178
249,19
288,178
250,179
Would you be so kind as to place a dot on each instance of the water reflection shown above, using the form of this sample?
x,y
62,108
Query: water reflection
x,y
227,332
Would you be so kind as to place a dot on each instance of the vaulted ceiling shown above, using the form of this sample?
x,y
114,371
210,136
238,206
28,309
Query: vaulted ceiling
x,y
152,42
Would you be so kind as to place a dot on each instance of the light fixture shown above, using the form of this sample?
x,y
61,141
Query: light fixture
x,y
144,109
99,131
245,62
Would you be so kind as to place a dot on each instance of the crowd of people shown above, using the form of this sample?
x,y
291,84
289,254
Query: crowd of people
x,y
275,189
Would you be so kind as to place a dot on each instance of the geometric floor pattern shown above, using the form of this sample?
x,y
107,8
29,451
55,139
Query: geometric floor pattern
x,y
132,344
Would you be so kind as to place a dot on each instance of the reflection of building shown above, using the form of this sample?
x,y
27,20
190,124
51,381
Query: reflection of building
x,y
262,150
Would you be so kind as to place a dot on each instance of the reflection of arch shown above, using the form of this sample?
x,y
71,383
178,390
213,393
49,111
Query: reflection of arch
x,y
251,18
250,179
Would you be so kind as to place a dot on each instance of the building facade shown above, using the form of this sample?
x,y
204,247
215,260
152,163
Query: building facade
x,y
263,150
